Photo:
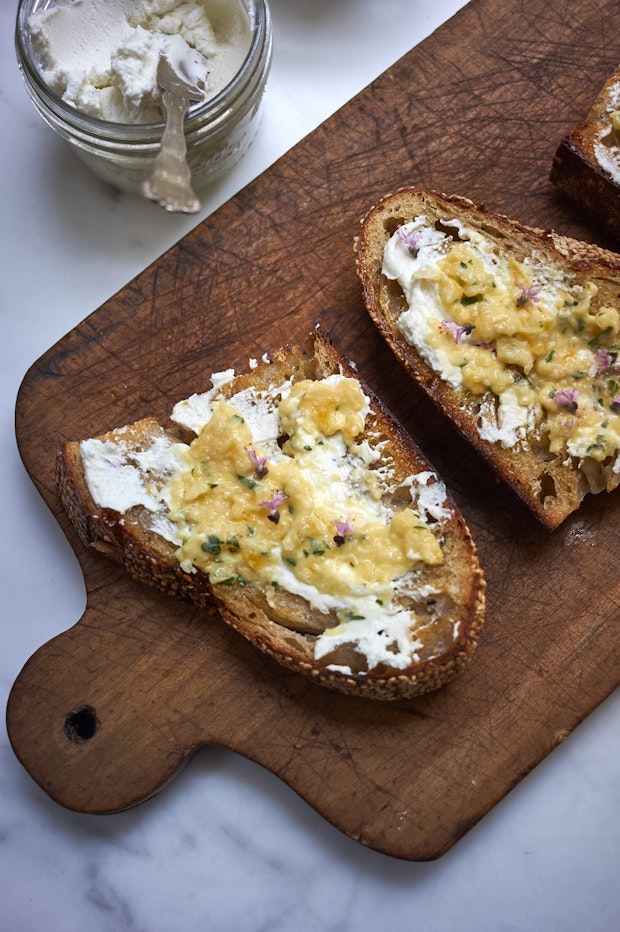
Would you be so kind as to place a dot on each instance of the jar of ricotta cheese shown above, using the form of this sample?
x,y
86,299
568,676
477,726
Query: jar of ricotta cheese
x,y
90,70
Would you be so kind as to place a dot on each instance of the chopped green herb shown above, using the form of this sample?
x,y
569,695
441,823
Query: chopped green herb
x,y
466,300
232,581
247,481
211,545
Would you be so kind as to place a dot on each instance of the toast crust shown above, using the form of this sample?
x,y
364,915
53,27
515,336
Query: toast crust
x,y
586,165
285,626
550,486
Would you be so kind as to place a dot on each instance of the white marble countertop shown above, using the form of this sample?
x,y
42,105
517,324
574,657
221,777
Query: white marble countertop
x,y
227,846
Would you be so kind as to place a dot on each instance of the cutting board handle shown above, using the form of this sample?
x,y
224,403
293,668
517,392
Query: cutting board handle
x,y
93,720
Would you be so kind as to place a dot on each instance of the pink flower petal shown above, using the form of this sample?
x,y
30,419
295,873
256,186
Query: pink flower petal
x,y
603,359
259,462
272,504
458,331
567,398
528,294
411,240
344,527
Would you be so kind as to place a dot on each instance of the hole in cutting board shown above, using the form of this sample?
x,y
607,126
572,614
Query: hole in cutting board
x,y
81,725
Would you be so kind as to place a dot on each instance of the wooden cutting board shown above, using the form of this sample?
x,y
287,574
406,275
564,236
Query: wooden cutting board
x,y
105,713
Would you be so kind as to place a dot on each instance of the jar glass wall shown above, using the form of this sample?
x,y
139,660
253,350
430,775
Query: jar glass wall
x,y
217,132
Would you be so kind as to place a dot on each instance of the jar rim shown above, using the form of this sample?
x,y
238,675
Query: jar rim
x,y
210,111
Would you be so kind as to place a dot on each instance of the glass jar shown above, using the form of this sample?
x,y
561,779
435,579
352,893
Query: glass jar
x,y
217,132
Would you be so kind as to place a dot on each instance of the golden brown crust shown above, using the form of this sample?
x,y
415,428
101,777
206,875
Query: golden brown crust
x,y
288,631
550,488
576,170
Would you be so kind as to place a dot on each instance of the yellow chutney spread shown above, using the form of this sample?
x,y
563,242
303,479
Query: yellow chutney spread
x,y
301,510
536,347
293,489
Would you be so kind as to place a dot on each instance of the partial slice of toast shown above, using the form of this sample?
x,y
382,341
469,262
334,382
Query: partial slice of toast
x,y
288,500
512,331
586,165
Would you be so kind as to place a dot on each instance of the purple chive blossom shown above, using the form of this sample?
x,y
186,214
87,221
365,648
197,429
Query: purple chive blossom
x,y
342,529
458,331
604,359
528,294
259,463
615,403
272,505
567,398
411,240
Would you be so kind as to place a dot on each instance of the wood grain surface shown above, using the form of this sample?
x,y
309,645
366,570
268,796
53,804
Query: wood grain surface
x,y
105,713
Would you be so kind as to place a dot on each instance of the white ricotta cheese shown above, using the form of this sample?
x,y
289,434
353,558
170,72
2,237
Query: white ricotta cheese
x,y
608,157
102,57
509,423
121,480
194,412
383,636
416,274
428,494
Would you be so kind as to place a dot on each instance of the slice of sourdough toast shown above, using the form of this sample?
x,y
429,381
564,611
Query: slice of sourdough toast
x,y
512,331
586,165
288,500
